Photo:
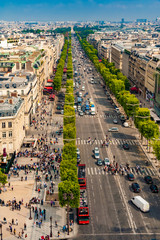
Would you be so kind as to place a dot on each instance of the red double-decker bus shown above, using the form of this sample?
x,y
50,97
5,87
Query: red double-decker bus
x,y
83,210
82,176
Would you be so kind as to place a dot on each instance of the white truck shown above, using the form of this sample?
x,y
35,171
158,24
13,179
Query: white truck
x,y
140,203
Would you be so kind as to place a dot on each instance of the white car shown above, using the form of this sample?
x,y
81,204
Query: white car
x,y
113,129
96,152
106,162
93,113
78,151
83,88
115,121
125,124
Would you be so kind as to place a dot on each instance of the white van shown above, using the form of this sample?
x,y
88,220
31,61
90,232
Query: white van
x,y
140,203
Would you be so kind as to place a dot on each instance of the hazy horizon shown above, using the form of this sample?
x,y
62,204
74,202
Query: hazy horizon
x,y
79,10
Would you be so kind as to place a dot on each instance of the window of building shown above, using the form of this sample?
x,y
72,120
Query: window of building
x,y
10,146
3,134
9,124
3,124
22,92
10,134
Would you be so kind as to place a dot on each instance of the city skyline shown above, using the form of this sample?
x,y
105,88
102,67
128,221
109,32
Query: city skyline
x,y
79,10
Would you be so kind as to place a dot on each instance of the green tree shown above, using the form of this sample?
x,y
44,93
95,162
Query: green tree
x,y
156,148
69,174
149,130
69,194
3,178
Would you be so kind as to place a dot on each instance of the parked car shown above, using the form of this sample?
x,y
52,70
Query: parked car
x,y
136,187
154,188
78,158
113,129
126,146
130,177
148,179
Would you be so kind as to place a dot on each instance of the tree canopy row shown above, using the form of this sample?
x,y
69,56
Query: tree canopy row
x,y
60,67
69,190
119,85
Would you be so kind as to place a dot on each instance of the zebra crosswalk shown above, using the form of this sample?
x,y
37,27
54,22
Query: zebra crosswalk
x,y
100,115
112,142
141,172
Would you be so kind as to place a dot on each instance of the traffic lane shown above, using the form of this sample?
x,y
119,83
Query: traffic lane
x,y
152,219
134,156
99,206
91,128
141,220
112,210
120,236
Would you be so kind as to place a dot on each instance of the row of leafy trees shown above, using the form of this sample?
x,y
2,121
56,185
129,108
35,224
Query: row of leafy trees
x,y
69,190
119,86
69,63
60,67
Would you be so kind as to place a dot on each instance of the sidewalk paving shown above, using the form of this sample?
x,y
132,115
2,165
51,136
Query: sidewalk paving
x,y
26,189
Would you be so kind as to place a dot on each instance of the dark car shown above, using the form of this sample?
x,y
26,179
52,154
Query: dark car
x,y
126,146
130,177
78,158
99,162
58,107
154,188
148,179
136,187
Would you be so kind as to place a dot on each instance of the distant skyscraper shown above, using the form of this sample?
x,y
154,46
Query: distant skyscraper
x,y
122,20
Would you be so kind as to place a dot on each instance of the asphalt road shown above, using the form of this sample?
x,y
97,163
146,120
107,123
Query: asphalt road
x,y
112,216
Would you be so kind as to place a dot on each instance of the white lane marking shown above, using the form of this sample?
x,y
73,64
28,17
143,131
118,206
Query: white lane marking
x,y
95,171
92,171
88,171
126,206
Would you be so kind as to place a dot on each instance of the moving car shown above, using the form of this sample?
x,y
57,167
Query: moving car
x,y
113,129
154,188
99,162
136,187
115,121
106,162
148,179
96,152
78,151
81,113
130,177
141,203
126,146
125,124
78,158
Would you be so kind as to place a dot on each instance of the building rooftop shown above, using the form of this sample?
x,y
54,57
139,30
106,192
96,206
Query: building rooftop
x,y
10,106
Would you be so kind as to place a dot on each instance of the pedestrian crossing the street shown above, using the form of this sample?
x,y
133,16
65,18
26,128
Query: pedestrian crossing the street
x,y
112,142
93,171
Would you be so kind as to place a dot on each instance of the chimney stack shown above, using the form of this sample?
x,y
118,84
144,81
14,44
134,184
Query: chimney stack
x,y
10,101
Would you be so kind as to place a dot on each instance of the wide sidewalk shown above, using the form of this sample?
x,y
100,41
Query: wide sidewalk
x,y
26,190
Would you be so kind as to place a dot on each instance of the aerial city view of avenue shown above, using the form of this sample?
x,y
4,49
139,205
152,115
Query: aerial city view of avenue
x,y
80,120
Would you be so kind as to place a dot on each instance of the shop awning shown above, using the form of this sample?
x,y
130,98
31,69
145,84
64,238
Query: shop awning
x,y
50,80
48,88
52,96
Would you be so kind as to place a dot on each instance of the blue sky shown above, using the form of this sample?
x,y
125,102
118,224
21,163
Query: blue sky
x,y
51,10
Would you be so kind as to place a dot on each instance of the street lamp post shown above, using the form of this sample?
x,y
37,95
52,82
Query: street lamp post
x,y
1,231
68,196
51,226
30,217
